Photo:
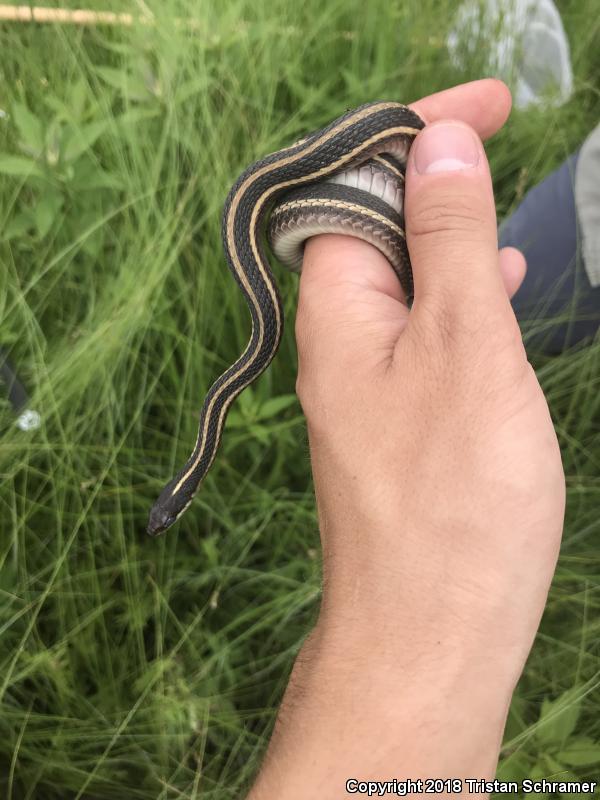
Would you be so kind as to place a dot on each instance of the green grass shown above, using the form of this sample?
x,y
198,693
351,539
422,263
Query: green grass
x,y
140,668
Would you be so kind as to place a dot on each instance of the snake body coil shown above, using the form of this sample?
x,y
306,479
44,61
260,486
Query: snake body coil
x,y
317,185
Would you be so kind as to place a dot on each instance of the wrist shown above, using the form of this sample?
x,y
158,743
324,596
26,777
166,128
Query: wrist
x,y
426,629
453,674
442,711
366,706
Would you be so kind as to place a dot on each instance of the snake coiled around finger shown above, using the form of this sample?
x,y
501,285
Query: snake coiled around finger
x,y
345,178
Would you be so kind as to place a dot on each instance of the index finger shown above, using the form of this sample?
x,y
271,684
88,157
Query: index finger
x,y
483,104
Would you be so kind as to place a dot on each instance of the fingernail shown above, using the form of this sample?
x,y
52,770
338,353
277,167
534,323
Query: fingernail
x,y
446,147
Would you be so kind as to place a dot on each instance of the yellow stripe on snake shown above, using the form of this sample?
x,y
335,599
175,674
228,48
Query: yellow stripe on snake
x,y
345,178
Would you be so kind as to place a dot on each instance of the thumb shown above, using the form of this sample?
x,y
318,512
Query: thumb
x,y
451,229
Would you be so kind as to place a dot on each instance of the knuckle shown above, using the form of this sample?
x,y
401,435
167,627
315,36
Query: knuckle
x,y
445,213
435,329
474,343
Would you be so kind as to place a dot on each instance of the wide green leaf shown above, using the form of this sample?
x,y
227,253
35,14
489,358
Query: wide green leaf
x,y
29,127
19,166
131,85
46,211
275,405
17,226
81,139
581,751
558,718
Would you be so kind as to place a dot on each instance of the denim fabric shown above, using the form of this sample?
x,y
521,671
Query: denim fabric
x,y
556,302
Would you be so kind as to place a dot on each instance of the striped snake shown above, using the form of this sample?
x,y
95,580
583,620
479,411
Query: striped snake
x,y
345,178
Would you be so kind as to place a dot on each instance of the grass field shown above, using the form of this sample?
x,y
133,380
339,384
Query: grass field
x,y
141,668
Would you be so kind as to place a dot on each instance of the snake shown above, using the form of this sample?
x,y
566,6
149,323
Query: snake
x,y
347,177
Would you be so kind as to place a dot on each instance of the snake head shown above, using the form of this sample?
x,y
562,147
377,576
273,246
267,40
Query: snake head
x,y
160,519
168,508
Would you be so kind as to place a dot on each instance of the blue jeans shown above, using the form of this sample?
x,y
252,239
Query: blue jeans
x,y
556,303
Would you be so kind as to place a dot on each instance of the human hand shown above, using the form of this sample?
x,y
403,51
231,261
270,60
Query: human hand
x,y
437,472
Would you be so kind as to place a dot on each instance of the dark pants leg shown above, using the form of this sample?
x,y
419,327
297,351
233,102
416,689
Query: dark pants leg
x,y
556,303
